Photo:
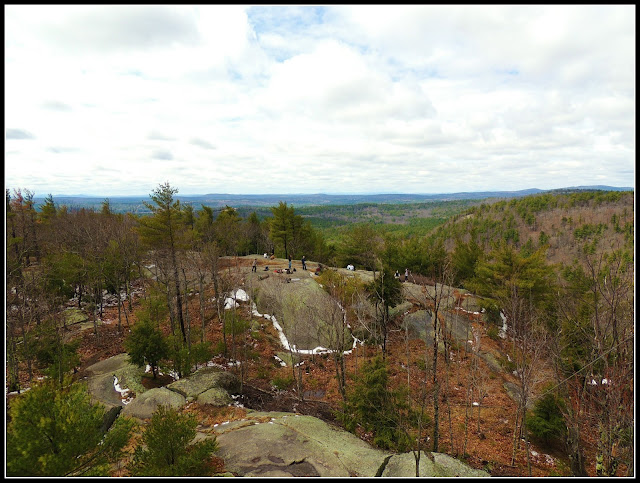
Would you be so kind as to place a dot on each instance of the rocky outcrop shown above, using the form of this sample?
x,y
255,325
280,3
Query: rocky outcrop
x,y
269,444
431,465
207,386
266,444
103,374
204,379
144,405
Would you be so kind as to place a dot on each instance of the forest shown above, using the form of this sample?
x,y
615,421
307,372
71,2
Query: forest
x,y
552,275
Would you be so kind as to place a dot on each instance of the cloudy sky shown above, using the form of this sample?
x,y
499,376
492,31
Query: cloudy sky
x,y
115,100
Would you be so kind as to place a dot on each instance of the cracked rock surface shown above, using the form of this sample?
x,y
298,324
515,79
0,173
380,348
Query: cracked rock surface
x,y
270,444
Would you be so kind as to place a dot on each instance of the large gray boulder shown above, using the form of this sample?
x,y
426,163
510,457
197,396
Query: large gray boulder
x,y
204,379
216,396
145,404
271,444
288,444
431,465
102,376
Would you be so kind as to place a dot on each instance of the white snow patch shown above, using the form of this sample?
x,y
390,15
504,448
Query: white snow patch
x,y
124,392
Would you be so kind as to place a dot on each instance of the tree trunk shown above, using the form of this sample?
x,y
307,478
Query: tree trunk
x,y
202,314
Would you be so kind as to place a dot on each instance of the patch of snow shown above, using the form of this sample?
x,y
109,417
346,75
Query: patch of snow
x,y
467,311
240,294
503,330
476,403
124,392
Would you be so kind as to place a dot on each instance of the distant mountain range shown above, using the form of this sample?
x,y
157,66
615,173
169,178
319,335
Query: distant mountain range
x,y
134,204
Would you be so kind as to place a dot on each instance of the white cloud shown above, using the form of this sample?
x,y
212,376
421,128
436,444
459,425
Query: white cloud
x,y
314,99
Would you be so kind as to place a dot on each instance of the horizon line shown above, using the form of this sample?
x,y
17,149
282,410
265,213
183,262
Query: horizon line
x,y
372,193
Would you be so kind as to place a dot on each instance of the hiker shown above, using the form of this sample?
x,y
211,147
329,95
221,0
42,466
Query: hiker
x,y
397,275
406,274
289,262
254,267
304,263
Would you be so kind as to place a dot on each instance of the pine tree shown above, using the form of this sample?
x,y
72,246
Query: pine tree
x,y
167,449
163,231
56,431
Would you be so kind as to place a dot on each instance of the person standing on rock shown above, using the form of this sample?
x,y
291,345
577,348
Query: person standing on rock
x,y
254,267
304,263
289,262
406,274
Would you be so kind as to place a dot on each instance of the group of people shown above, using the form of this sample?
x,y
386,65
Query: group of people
x,y
254,266
406,275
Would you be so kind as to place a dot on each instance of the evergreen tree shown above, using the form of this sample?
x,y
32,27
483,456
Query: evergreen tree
x,y
164,231
48,211
167,449
283,226
57,431
372,405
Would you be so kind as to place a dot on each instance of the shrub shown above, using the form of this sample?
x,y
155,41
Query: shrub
x,y
492,332
373,406
546,421
166,448
56,431
146,345
283,383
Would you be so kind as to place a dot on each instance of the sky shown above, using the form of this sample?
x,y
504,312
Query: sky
x,y
111,100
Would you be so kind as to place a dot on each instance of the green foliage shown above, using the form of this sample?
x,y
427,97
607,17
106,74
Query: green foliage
x,y
505,272
464,259
56,431
372,405
546,421
146,344
283,382
63,271
167,449
385,289
184,357
48,210
492,332
51,352
360,246
165,228
589,230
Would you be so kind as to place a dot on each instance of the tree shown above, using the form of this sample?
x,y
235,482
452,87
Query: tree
x,y
228,230
56,431
384,291
163,231
332,311
546,421
361,246
372,405
282,227
167,448
146,343
596,333
48,211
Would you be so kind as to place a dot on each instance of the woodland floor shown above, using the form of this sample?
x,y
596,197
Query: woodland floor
x,y
489,448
